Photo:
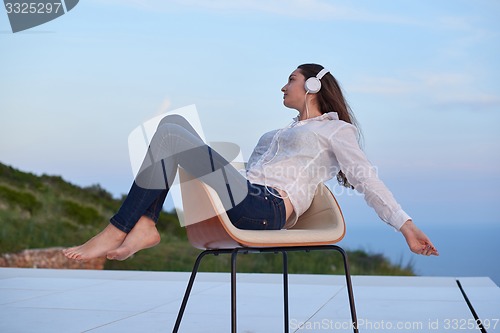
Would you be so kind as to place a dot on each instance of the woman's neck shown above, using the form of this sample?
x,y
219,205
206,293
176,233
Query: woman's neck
x,y
310,112
310,109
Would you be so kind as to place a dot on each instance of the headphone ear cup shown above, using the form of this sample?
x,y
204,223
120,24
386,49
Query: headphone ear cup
x,y
313,85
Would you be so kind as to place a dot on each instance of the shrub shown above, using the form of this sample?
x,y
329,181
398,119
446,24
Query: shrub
x,y
24,200
84,215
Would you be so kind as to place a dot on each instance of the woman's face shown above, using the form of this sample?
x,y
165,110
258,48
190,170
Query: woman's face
x,y
294,91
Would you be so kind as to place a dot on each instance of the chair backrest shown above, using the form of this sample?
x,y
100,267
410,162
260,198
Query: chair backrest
x,y
208,226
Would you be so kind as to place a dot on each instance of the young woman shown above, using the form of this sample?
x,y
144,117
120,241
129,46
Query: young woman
x,y
279,183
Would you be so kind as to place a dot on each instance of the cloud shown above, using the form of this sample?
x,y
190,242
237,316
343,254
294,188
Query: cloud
x,y
164,106
458,91
312,10
384,86
445,90
304,9
474,101
436,80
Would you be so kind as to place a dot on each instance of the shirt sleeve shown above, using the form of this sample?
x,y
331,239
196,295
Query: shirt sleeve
x,y
363,176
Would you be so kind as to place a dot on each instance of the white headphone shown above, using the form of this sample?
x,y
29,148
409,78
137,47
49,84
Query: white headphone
x,y
313,84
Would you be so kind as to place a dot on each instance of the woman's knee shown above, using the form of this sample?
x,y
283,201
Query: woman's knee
x,y
175,121
172,138
166,129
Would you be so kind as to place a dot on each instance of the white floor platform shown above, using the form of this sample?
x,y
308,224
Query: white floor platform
x,y
65,301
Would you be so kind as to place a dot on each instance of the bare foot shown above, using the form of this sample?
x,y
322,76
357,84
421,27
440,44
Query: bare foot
x,y
98,246
144,235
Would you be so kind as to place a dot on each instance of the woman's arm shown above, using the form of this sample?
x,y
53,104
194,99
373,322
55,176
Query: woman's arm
x,y
364,177
361,174
417,240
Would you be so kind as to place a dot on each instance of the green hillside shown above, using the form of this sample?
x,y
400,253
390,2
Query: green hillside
x,y
46,211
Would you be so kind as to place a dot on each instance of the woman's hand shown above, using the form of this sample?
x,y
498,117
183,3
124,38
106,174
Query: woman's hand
x,y
417,240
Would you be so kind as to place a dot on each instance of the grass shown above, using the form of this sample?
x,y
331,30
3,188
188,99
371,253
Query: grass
x,y
46,211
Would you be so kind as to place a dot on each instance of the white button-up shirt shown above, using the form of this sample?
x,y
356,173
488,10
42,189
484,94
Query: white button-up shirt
x,y
298,157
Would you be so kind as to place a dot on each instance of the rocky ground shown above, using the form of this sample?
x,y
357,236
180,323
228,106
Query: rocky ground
x,y
47,258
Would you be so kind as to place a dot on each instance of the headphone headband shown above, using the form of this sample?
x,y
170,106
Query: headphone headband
x,y
322,73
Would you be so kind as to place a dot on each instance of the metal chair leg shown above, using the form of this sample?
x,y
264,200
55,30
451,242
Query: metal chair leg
x,y
285,291
191,283
349,289
234,255
188,290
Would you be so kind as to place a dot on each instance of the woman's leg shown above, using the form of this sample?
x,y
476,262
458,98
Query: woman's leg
x,y
174,144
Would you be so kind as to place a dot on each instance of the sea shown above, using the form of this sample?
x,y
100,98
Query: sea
x,y
464,251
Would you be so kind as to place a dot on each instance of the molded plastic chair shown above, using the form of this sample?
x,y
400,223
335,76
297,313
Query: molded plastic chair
x,y
321,226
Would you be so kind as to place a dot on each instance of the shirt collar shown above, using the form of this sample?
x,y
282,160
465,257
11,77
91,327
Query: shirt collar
x,y
324,116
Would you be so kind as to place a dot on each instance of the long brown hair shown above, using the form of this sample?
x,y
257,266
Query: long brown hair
x,y
331,99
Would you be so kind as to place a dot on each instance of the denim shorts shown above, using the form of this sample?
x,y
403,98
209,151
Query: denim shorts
x,y
262,209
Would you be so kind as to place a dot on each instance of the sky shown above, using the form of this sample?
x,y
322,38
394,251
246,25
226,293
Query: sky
x,y
421,77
